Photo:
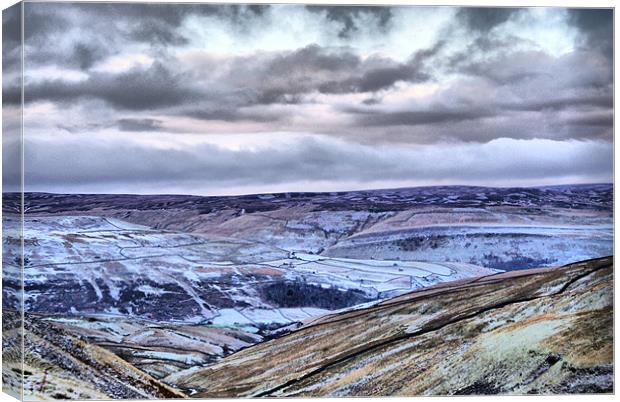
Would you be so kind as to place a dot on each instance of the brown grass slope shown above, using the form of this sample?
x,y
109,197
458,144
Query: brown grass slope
x,y
58,365
532,331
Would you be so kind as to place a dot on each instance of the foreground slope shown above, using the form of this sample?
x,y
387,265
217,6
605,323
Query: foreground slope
x,y
531,331
58,365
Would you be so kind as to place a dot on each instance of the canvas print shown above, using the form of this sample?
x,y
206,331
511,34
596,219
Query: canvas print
x,y
229,200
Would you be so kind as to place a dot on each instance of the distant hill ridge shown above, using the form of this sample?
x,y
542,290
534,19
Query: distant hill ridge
x,y
588,196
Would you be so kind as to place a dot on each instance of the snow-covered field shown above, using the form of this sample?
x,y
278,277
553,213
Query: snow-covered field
x,y
100,266
187,259
497,246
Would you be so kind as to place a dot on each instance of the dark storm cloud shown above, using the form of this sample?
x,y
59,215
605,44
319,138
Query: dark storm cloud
x,y
45,24
414,70
544,99
493,57
288,77
39,23
139,124
123,25
85,55
596,28
305,70
158,23
598,119
495,96
171,15
11,24
157,32
562,118
554,104
313,58
11,92
233,114
347,16
11,55
137,89
510,89
483,19
82,55
496,60
530,93
371,101
314,68
11,38
281,78
422,117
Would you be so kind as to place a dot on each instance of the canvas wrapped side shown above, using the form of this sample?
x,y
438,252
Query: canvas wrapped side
x,y
12,188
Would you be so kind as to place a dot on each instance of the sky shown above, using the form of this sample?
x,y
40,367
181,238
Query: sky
x,y
231,99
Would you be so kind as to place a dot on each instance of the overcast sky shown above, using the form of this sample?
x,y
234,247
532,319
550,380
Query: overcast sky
x,y
199,99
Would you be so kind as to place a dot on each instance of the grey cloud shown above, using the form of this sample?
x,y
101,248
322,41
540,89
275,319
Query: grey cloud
x,y
11,59
384,77
168,14
596,27
287,78
157,33
137,89
535,82
600,101
420,117
598,127
598,119
233,114
483,19
347,15
131,124
11,24
280,78
507,68
158,23
11,92
294,73
11,38
46,26
480,52
40,21
86,165
86,55
317,69
104,29
474,126
472,109
312,58
414,70
80,56
371,101
501,89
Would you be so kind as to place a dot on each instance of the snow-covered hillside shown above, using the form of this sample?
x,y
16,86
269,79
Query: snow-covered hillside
x,y
96,265
143,275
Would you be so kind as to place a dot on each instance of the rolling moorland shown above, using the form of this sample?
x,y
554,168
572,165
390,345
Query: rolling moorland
x,y
169,288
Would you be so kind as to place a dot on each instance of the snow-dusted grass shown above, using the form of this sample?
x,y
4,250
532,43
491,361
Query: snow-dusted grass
x,y
366,252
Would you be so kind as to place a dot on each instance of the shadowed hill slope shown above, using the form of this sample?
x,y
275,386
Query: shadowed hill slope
x,y
59,365
532,331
